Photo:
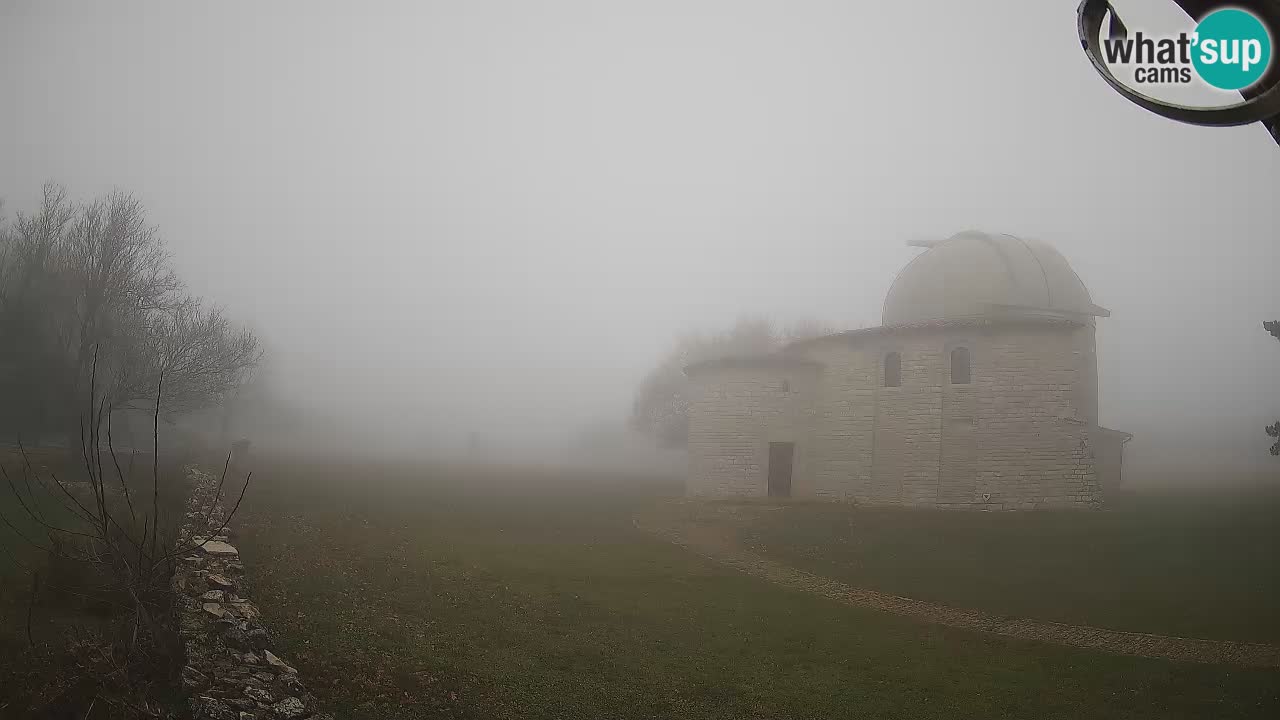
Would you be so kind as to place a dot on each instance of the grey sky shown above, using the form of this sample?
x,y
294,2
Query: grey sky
x,y
499,214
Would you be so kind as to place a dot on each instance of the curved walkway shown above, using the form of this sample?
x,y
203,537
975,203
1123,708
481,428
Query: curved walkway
x,y
715,545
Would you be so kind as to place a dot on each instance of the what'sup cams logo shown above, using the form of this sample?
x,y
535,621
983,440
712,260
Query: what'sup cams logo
x,y
1230,49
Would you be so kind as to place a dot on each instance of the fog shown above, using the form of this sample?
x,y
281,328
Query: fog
x,y
496,216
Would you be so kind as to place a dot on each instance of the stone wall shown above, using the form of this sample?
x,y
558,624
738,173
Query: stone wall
x,y
733,418
844,428
232,671
1017,436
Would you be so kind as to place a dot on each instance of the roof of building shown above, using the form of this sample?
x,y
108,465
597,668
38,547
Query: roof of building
x,y
972,279
975,274
786,359
1123,436
941,324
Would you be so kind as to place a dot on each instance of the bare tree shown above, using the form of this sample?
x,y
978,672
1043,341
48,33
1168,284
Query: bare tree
x,y
94,279
34,374
123,546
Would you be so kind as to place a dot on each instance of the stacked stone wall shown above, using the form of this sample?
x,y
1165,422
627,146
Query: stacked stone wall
x,y
232,670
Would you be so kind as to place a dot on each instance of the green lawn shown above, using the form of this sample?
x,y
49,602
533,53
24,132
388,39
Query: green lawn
x,y
403,593
1185,563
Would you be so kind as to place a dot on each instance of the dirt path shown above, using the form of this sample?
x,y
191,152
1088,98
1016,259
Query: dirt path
x,y
719,544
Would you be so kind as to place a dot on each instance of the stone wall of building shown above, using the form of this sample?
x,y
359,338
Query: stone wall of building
x,y
1032,404
734,414
844,424
1017,436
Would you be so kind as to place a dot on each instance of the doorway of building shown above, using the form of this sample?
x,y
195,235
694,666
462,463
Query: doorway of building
x,y
781,458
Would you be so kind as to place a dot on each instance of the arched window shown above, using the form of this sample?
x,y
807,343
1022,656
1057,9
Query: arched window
x,y
893,370
960,366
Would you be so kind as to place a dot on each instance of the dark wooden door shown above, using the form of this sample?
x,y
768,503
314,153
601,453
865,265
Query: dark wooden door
x,y
781,458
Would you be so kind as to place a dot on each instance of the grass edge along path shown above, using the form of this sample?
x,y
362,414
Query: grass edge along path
x,y
715,545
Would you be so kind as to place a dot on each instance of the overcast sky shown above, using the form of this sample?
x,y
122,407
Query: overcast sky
x,y
499,214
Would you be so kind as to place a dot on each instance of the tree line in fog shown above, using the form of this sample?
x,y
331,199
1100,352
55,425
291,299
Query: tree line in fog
x,y
88,296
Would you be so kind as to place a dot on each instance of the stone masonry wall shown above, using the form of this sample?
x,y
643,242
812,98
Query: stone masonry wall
x,y
1031,406
844,426
232,672
1017,436
734,415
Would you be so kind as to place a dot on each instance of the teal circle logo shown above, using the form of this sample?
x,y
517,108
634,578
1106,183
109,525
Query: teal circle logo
x,y
1232,49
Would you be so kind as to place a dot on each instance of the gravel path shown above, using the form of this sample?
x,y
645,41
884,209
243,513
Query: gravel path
x,y
719,544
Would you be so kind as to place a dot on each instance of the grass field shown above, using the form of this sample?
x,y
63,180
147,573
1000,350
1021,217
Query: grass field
x,y
412,592
1193,564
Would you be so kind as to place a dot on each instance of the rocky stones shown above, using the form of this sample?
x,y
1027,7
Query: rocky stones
x,y
210,708
276,664
218,582
289,708
262,697
291,685
193,680
231,672
244,609
234,637
258,638
219,548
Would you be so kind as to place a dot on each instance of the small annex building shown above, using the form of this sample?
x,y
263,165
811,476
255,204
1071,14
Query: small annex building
x,y
979,390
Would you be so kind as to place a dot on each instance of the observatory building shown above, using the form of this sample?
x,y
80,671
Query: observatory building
x,y
980,390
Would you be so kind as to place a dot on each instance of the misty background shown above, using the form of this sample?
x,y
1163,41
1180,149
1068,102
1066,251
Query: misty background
x,y
444,218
